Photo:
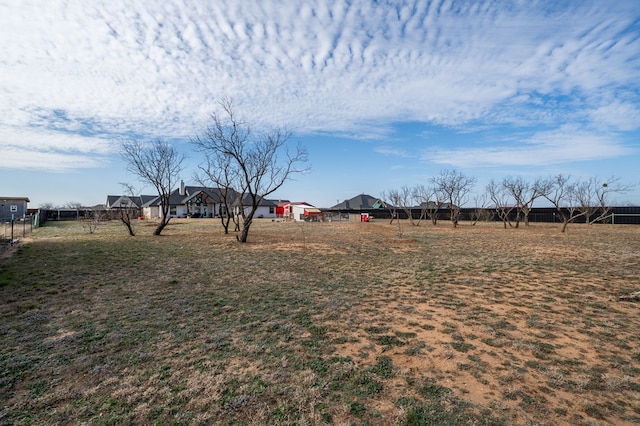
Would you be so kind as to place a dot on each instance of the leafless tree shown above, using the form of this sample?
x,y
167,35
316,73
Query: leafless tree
x,y
480,211
524,194
560,191
407,201
157,163
426,198
592,197
217,171
263,161
73,205
502,200
393,199
128,211
91,222
453,187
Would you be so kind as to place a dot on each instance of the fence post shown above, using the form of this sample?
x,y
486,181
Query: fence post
x,y
12,221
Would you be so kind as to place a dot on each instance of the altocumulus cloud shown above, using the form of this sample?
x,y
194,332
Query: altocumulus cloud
x,y
77,75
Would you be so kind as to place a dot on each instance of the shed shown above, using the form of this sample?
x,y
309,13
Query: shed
x,y
13,207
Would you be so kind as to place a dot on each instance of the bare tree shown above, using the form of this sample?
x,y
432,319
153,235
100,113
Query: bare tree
x,y
502,201
406,202
426,198
129,210
524,194
393,199
480,211
593,197
262,162
73,205
560,191
158,164
218,172
453,187
91,222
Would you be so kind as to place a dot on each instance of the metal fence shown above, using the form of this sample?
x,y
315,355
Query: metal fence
x,y
14,229
616,215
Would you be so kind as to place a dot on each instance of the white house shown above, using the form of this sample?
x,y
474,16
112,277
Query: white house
x,y
298,211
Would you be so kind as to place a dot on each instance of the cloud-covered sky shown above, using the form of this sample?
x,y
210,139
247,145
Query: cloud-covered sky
x,y
382,94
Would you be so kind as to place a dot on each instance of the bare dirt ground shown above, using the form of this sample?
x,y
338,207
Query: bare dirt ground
x,y
525,321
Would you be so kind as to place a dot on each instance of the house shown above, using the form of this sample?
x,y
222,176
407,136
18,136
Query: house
x,y
266,208
193,201
298,211
140,202
13,207
361,202
199,201
360,208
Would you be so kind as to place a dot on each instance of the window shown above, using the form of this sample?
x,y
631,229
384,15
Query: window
x,y
271,209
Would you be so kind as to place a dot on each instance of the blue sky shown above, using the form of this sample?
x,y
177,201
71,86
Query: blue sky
x,y
382,94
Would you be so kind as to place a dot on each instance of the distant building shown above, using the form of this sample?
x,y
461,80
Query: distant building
x,y
13,207
360,202
192,202
299,211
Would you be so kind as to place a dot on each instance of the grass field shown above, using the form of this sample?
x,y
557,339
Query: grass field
x,y
321,323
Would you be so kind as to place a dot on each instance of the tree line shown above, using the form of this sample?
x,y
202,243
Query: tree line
x,y
511,198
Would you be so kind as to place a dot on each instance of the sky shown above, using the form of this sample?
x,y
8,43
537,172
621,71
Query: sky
x,y
382,94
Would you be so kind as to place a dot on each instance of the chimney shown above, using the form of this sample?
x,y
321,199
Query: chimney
x,y
181,187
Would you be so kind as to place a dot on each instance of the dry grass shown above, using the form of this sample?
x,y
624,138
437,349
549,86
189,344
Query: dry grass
x,y
322,323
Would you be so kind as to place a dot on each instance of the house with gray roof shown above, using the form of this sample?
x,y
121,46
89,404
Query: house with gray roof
x,y
361,202
200,201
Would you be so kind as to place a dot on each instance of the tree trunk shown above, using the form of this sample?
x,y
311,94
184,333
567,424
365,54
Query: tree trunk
x,y
130,229
245,229
245,233
126,220
564,225
225,223
160,227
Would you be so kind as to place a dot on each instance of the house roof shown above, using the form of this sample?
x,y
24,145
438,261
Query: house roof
x,y
190,192
294,203
116,201
360,202
15,199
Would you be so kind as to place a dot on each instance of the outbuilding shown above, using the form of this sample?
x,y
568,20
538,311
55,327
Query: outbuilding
x,y
12,208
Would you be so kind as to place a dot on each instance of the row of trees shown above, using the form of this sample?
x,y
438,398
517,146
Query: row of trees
x,y
510,198
244,166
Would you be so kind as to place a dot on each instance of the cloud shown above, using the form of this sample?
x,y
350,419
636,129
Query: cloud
x,y
155,69
44,149
391,151
618,115
567,144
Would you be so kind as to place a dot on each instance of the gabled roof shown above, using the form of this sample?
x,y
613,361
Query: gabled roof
x,y
147,200
360,202
191,192
119,201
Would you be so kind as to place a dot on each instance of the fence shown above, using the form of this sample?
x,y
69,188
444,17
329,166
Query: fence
x,y
617,215
13,229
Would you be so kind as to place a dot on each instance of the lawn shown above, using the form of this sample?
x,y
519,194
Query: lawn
x,y
321,323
